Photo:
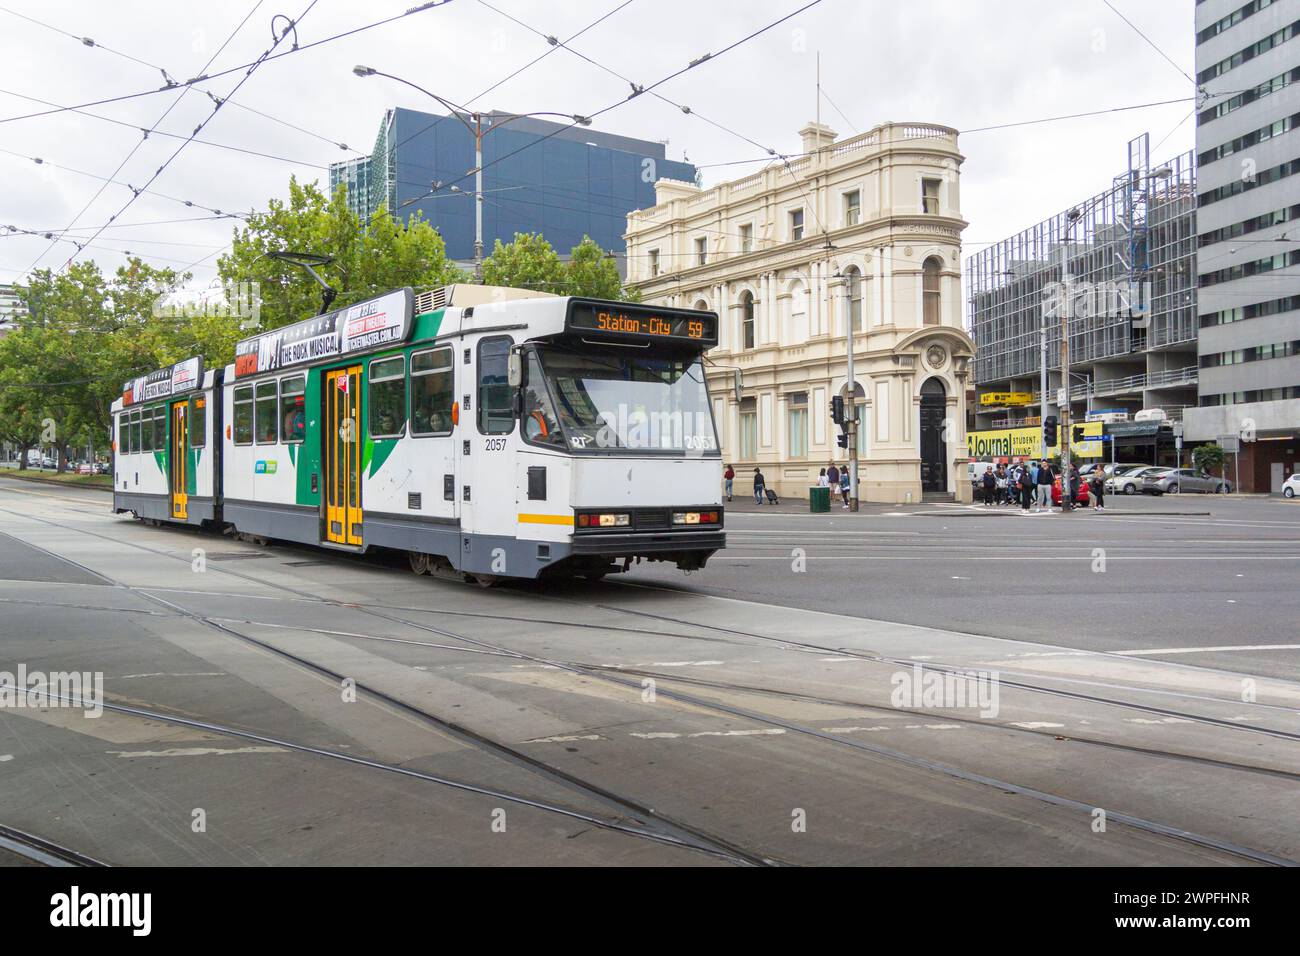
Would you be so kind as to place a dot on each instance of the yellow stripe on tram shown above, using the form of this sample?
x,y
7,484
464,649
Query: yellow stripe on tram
x,y
547,519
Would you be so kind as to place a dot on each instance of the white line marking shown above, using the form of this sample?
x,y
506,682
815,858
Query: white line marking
x,y
1034,724
1159,720
199,751
5,757
1206,650
563,739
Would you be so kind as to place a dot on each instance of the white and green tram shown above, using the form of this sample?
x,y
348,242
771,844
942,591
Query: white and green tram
x,y
489,432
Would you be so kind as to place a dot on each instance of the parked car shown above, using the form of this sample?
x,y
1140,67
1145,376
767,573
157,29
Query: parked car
x,y
1175,480
1127,479
1291,487
103,467
1081,498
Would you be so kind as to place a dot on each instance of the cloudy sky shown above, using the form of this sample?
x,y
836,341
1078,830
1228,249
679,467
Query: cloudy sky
x,y
969,64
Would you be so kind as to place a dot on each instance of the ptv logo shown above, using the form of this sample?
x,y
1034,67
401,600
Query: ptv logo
x,y
75,909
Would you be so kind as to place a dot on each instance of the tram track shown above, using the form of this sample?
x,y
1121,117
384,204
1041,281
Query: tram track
x,y
41,851
892,754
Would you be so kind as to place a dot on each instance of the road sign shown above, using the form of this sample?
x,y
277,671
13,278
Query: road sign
x,y
1230,444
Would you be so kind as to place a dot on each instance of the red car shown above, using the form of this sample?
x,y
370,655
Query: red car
x,y
1080,499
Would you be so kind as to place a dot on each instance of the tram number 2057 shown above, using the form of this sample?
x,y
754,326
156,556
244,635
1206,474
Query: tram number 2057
x,y
494,444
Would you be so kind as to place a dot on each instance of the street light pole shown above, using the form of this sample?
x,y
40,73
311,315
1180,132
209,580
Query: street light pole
x,y
475,130
1067,497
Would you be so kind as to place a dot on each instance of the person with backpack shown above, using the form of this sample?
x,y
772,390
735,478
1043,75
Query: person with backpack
x,y
729,476
760,486
844,487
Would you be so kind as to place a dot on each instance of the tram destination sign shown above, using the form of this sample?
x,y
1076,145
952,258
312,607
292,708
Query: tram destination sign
x,y
173,380
619,320
362,327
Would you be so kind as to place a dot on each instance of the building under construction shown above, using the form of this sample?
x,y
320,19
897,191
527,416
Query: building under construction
x,y
1122,266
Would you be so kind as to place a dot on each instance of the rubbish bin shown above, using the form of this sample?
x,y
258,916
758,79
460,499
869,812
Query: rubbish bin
x,y
819,499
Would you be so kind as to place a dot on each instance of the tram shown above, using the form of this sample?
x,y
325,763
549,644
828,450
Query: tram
x,y
487,432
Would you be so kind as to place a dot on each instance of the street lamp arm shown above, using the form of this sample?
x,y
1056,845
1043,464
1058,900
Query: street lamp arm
x,y
447,104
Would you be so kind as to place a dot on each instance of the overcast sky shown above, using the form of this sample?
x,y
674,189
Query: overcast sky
x,y
962,63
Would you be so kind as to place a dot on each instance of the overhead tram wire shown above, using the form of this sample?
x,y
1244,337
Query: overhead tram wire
x,y
1150,42
169,135
636,91
683,108
477,96
134,149
93,44
205,78
247,75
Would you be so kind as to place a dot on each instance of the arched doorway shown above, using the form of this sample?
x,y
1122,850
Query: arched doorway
x,y
934,449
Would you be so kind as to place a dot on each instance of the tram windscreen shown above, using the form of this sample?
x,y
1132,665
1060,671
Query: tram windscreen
x,y
611,402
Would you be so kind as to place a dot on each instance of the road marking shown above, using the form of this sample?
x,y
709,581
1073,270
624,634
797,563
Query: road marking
x,y
666,735
1207,650
199,751
1158,720
161,674
852,730
563,738
5,757
1034,724
686,663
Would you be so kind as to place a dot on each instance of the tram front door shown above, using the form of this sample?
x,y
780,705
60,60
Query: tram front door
x,y
178,463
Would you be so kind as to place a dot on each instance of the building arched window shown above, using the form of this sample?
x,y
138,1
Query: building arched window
x,y
930,291
747,320
700,306
853,276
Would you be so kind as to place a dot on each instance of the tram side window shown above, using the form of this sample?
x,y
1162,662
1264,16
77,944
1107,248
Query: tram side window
x,y
146,429
124,434
388,397
267,431
197,426
293,408
160,428
244,415
136,446
495,414
432,392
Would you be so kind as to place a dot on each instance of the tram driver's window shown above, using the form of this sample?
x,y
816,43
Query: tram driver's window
x,y
244,415
431,392
496,416
293,408
539,423
388,397
264,416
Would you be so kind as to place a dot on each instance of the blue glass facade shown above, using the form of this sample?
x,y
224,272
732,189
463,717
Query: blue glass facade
x,y
577,182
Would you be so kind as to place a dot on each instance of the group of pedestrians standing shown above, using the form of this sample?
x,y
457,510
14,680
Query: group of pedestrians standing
x,y
1029,484
835,478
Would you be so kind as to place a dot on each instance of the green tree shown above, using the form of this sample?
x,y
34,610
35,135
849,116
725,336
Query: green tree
x,y
367,262
1208,458
530,262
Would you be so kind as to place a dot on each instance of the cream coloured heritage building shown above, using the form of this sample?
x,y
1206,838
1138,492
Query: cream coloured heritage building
x,y
867,228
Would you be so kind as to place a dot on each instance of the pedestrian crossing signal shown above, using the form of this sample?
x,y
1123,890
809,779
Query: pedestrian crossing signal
x,y
842,440
837,410
1076,435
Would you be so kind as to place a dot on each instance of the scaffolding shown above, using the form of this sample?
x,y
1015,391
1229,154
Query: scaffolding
x,y
1127,257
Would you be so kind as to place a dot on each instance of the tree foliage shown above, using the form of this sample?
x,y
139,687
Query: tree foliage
x,y
530,262
1208,457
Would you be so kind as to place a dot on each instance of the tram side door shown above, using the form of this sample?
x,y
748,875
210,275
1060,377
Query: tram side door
x,y
341,455
178,462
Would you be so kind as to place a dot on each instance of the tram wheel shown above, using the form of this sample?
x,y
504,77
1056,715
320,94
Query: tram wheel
x,y
419,561
487,580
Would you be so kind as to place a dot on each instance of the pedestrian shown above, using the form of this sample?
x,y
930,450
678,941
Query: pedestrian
x,y
760,486
1001,481
1026,488
823,480
833,477
1072,483
1044,486
1098,487
990,485
729,476
844,487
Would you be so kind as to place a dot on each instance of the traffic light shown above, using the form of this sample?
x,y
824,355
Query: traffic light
x,y
837,410
842,439
1049,431
1076,435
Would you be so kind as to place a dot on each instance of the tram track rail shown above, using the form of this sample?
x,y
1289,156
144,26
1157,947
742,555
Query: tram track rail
x,y
923,763
42,852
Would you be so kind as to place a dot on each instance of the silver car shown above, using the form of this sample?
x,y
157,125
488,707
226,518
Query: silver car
x,y
1127,479
1175,480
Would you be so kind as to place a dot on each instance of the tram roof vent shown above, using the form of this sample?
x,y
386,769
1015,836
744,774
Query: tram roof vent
x,y
464,295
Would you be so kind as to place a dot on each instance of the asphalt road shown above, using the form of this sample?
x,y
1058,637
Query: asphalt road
x,y
1197,579
289,705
